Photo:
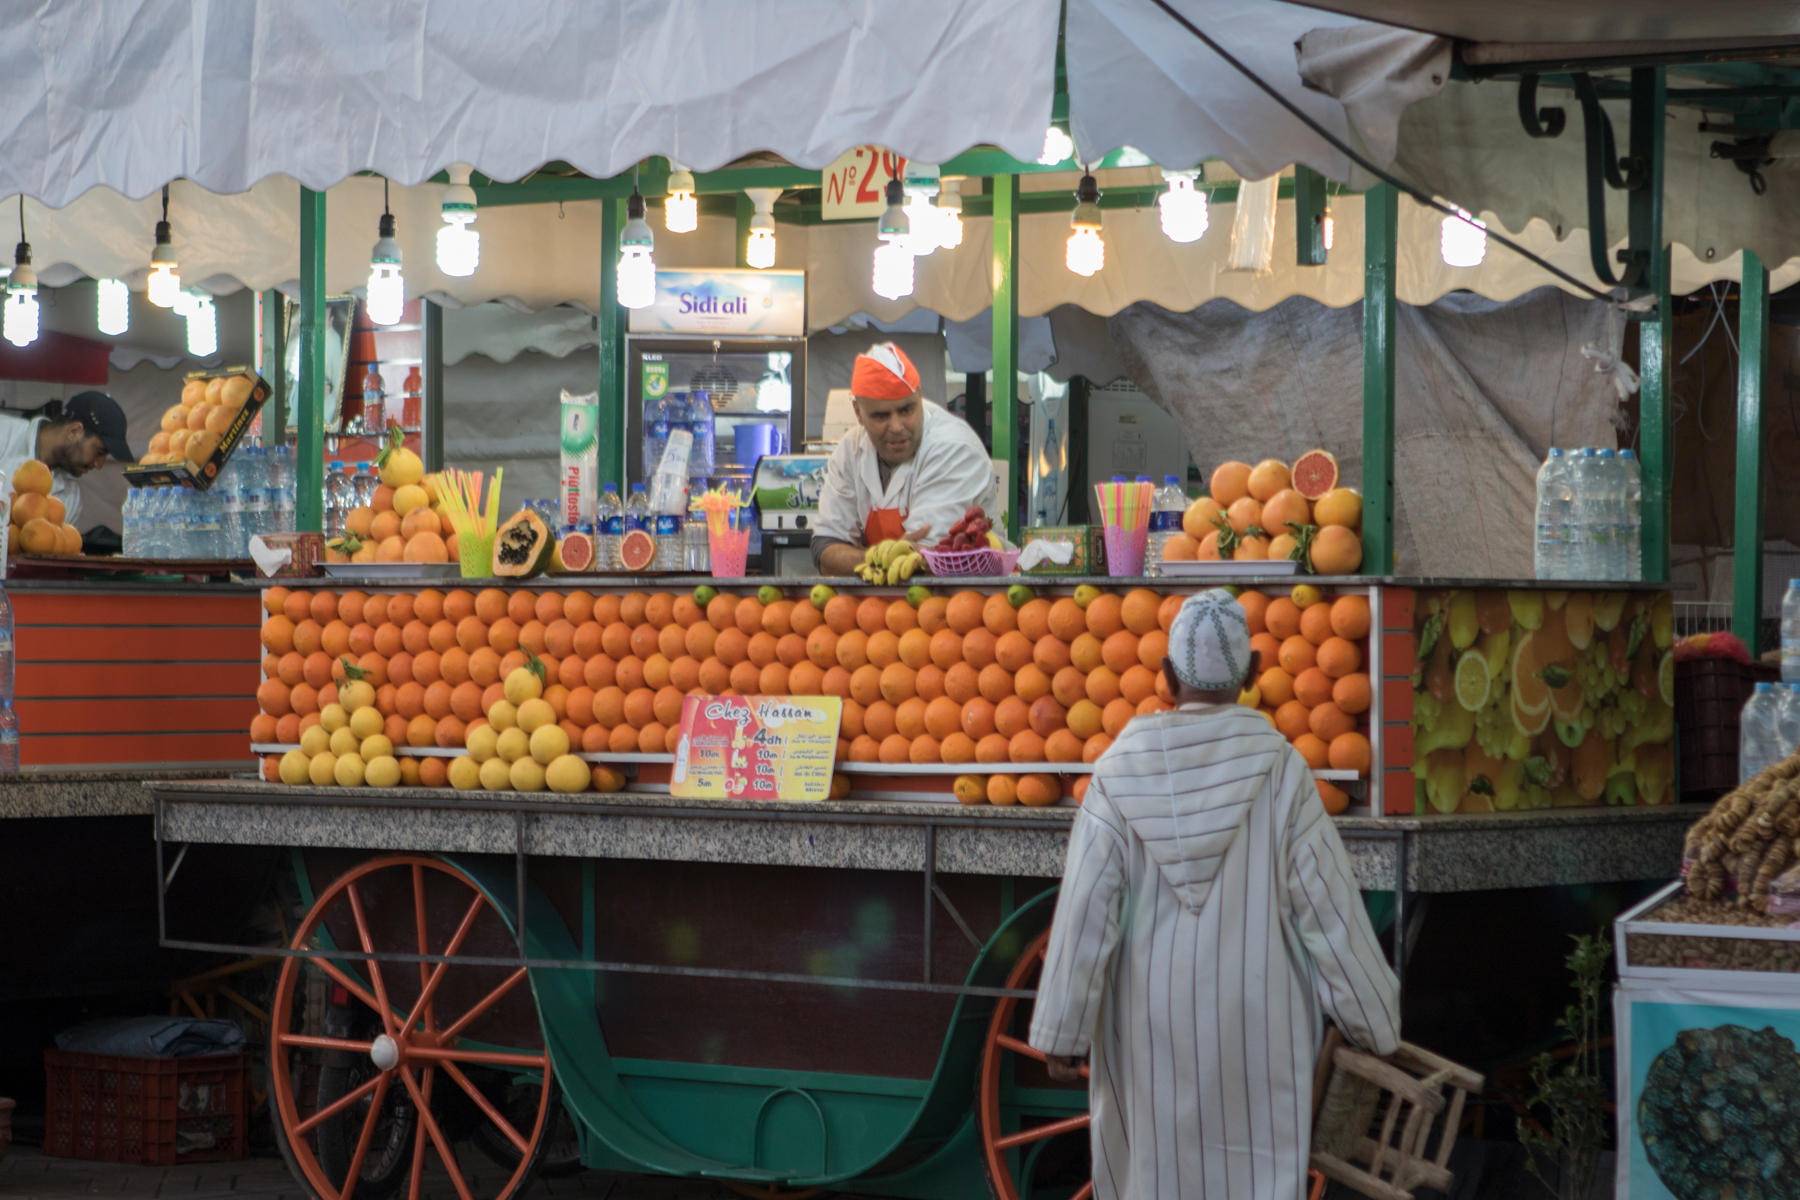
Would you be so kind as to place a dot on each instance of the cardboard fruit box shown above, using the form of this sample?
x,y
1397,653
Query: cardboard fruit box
x,y
201,476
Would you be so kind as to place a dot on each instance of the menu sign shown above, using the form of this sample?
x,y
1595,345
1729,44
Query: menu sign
x,y
854,187
725,303
756,747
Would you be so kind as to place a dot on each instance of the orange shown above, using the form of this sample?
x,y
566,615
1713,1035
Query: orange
x,y
878,720
720,610
520,606
962,683
623,740
1350,752
1255,606
1093,748
1315,623
421,731
1025,746
864,748
1328,721
1039,790
668,705
653,738
1180,548
790,649
1012,650
1137,682
897,682
925,748
840,614
288,727
934,614
1068,685
1336,551
946,648
1138,610
1339,657
1067,620
762,649
1050,653
979,647
1034,618
1115,716
491,604
1267,650
909,717
929,682
629,673
883,648
559,639
992,749
531,635
640,707
853,650
731,647
855,720
698,640
995,682
298,607
943,717
976,717
957,747
1269,477
1046,716
1340,507
1282,618
998,614
1105,615
1087,652
871,615
1230,480
645,639
503,635
1283,509
865,684
581,706
1062,746
600,671
274,697
964,611
746,677
748,615
821,647
323,607
273,599
1011,716
1031,681
1281,547
656,671
686,611
1335,799
895,748
915,648
1350,617
1243,514
1251,548
1297,655
615,639
594,739
1102,686
1119,652
1276,685
659,610
1002,790
1291,719
1314,750
278,634
632,606
715,676
901,617
1198,520
1352,693
1312,687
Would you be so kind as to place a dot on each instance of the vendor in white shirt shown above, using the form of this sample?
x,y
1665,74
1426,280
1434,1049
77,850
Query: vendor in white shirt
x,y
91,429
910,469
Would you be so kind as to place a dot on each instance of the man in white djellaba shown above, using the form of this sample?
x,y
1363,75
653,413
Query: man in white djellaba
x,y
1208,923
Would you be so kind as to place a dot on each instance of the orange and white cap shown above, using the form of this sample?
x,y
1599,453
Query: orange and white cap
x,y
884,373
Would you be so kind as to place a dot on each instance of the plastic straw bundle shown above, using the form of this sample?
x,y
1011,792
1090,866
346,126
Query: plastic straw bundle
x,y
460,494
1125,513
720,504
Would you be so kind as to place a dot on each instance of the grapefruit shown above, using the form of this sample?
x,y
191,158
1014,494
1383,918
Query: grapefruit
x,y
637,550
576,551
1315,473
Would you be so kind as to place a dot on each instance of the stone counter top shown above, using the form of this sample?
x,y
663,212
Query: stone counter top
x,y
1437,854
82,793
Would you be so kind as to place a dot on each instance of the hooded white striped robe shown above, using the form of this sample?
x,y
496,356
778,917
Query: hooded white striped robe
x,y
1208,920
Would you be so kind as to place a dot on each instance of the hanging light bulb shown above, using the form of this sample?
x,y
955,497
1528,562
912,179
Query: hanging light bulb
x,y
759,249
184,303
112,307
1183,207
921,187
21,321
1086,252
637,257
949,214
893,260
458,246
386,297
202,326
164,284
1328,233
681,209
1462,241
1058,147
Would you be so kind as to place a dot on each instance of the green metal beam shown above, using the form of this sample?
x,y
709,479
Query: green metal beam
x,y
1381,226
1753,368
1656,424
745,210
611,328
273,367
431,336
1003,395
309,405
1309,217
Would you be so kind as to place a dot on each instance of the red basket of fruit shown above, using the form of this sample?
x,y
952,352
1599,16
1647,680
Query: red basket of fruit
x,y
970,562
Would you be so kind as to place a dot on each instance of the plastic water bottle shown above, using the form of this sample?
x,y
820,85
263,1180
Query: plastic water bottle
x,y
610,526
699,549
1612,515
1581,515
335,499
1548,557
6,647
1787,720
9,737
637,510
700,424
1790,633
1757,732
1165,521
671,546
1633,474
656,432
363,483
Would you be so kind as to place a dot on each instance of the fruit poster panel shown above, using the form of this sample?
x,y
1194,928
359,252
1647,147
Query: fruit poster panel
x,y
756,747
1709,1093
1532,698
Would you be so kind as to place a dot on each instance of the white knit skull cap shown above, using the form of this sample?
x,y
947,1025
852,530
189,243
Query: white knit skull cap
x,y
1209,642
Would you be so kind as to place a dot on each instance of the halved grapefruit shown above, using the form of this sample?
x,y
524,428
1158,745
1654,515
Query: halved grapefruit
x,y
1315,473
637,550
576,552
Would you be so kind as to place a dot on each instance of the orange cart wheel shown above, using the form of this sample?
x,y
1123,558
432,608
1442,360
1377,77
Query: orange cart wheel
x,y
770,1191
1054,1147
372,1063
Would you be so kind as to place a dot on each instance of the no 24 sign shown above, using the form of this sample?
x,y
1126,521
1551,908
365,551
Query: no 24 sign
x,y
855,184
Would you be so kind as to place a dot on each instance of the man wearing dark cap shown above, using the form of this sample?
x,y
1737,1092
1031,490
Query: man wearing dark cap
x,y
90,430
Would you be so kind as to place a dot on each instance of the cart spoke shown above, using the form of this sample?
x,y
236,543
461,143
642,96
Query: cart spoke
x,y
1086,1192
341,1103
430,1125
418,880
484,1058
367,1136
1019,1047
310,1041
342,978
481,1006
419,1008
1039,1132
418,1154
368,945
487,1108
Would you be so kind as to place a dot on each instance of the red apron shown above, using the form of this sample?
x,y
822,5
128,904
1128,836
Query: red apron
x,y
882,525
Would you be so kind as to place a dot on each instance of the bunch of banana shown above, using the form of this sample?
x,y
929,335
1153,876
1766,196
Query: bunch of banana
x,y
892,561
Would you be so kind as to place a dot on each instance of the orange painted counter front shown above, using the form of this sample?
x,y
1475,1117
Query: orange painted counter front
x,y
111,678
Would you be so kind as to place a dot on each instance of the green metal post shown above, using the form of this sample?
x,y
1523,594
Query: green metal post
x,y
1309,217
1003,395
431,339
1381,223
273,367
611,328
745,210
1656,425
1753,366
309,405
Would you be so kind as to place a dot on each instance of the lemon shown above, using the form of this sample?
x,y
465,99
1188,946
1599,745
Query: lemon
x,y
481,741
527,775
402,467
375,746
512,745
768,594
408,497
1665,679
356,693
522,685
383,771
495,776
1251,697
1306,595
349,770
465,773
1474,682
703,595
1019,595
344,742
365,722
535,714
821,595
295,766
567,774
1086,594
322,770
333,717
549,743
503,716
315,741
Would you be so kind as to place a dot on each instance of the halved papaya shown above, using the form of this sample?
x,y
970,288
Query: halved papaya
x,y
522,546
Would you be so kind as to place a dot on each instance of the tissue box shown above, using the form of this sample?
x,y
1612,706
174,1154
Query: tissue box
x,y
1090,548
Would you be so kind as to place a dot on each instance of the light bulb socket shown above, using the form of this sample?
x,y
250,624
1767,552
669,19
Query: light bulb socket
x,y
634,207
1087,191
386,228
165,246
22,254
894,221
681,180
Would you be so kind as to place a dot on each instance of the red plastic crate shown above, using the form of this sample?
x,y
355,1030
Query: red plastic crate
x,y
148,1111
